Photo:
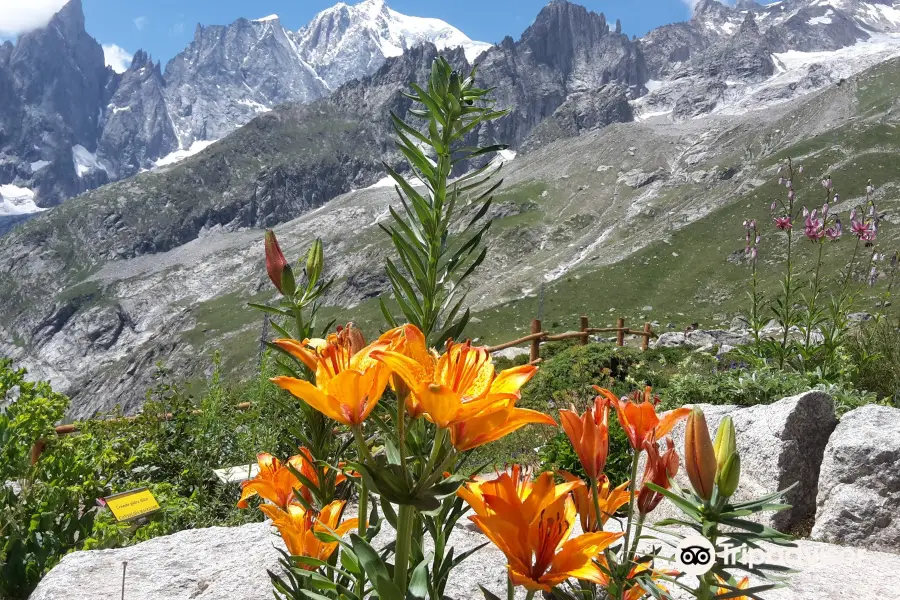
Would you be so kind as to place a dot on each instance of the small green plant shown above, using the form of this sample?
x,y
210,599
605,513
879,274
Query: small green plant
x,y
47,501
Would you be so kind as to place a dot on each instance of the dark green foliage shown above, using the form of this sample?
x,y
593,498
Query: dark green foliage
x,y
875,349
52,509
434,261
47,508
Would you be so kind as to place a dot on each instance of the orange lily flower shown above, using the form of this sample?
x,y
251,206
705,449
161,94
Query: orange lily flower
x,y
530,522
484,429
660,468
634,591
297,527
455,386
639,419
274,482
589,434
349,383
743,584
610,500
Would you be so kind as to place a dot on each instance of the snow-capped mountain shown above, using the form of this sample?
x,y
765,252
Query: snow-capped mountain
x,y
736,58
345,42
68,123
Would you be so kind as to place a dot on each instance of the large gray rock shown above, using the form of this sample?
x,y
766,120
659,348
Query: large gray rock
x,y
703,339
230,563
218,563
859,485
224,563
780,444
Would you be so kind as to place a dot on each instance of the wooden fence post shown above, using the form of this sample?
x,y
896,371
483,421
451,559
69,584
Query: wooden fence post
x,y
620,334
646,343
584,328
535,343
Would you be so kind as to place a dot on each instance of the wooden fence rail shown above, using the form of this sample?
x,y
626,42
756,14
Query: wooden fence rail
x,y
537,337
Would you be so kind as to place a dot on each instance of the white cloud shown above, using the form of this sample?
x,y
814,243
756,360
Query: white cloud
x,y
141,22
117,57
18,16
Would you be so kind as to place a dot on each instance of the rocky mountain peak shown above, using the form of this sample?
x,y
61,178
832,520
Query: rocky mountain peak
x,y
70,18
706,9
749,26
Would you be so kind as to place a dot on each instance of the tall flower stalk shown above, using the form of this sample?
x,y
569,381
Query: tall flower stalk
x,y
785,312
434,260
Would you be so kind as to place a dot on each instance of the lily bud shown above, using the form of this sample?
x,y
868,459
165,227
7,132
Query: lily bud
x,y
725,444
699,455
315,261
277,265
730,476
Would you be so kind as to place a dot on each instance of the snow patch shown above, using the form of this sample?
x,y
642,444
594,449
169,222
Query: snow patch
x,y
504,156
264,19
85,160
257,106
15,200
38,165
384,182
118,109
179,155
822,20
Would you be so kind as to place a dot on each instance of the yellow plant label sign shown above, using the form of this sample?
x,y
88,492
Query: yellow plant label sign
x,y
132,505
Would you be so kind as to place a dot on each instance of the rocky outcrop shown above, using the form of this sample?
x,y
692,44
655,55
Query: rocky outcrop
x,y
567,50
230,564
229,74
858,503
136,124
582,111
54,83
218,563
780,444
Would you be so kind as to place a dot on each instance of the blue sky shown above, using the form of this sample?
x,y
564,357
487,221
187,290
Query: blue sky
x,y
165,27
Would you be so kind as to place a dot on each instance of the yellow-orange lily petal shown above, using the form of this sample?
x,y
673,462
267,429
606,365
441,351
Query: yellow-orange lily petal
x,y
348,396
300,351
297,527
743,584
610,500
589,434
660,468
455,386
274,482
530,522
639,419
484,429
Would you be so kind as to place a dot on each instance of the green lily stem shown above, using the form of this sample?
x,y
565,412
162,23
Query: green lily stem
x,y
363,528
361,444
401,433
530,595
510,589
595,493
405,521
631,494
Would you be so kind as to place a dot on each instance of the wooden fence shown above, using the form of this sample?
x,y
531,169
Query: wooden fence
x,y
537,337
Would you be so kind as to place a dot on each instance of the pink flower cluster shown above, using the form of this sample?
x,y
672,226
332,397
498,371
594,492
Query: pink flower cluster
x,y
864,228
816,226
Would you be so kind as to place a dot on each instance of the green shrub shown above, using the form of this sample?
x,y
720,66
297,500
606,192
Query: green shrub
x,y
46,508
875,352
734,386
52,508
